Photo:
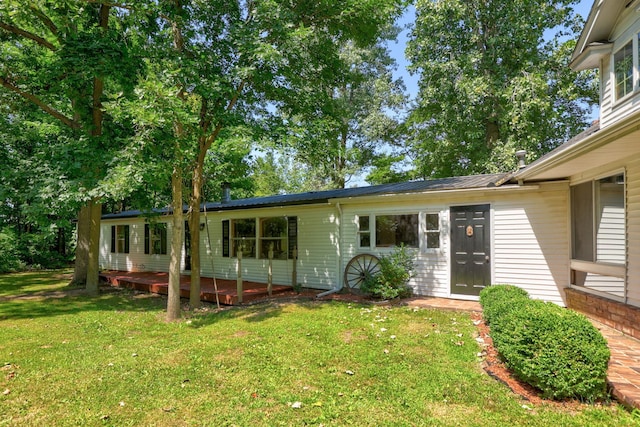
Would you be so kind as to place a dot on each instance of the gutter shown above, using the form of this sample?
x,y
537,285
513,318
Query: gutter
x,y
339,262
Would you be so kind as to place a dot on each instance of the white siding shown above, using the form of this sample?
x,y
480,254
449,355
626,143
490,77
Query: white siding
x,y
317,248
612,110
530,244
607,284
136,259
610,232
432,265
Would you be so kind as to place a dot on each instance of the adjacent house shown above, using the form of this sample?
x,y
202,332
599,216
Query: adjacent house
x,y
566,228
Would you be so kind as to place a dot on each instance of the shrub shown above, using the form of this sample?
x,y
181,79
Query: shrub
x,y
499,299
9,260
554,349
391,280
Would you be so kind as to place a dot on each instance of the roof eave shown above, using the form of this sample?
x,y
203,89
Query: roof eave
x,y
589,143
590,57
599,24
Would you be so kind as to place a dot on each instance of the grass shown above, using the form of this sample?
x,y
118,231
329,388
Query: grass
x,y
112,360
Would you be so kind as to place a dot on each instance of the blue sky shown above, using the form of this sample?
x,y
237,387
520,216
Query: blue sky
x,y
397,48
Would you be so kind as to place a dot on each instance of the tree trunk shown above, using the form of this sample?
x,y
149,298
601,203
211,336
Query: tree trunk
x,y
95,206
173,302
93,270
194,228
82,245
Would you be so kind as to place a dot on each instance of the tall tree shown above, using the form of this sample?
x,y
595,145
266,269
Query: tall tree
x,y
63,58
494,79
277,170
231,64
355,114
33,208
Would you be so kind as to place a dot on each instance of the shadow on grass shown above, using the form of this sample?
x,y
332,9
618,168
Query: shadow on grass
x,y
46,294
262,311
77,302
16,283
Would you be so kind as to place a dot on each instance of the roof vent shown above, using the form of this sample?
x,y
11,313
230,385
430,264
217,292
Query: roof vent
x,y
226,192
521,154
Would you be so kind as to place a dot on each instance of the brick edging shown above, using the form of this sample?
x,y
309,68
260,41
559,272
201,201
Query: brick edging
x,y
623,317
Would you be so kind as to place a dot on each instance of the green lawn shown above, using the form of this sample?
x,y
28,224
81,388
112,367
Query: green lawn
x,y
112,360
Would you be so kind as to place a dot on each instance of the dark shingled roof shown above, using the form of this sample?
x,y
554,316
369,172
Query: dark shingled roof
x,y
319,197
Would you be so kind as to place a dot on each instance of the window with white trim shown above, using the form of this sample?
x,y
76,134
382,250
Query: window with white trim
x,y
623,70
155,239
364,231
120,239
279,233
244,237
396,230
273,235
432,230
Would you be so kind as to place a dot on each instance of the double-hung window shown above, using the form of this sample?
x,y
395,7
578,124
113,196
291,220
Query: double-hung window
x,y
273,235
120,239
364,231
155,239
432,231
626,69
244,237
623,70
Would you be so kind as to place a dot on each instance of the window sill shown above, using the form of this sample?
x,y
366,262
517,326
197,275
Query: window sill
x,y
625,100
613,270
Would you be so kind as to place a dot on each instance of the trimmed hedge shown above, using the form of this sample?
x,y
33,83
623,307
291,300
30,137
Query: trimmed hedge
x,y
554,349
499,299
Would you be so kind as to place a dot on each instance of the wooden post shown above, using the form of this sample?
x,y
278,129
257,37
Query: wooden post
x,y
294,272
270,271
239,273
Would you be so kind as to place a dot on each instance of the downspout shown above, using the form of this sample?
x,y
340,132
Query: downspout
x,y
339,261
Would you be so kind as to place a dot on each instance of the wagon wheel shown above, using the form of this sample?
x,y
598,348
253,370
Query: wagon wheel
x,y
359,269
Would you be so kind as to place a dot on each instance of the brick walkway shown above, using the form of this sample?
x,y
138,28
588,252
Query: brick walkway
x,y
623,375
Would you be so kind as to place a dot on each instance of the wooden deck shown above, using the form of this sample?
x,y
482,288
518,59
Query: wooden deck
x,y
157,282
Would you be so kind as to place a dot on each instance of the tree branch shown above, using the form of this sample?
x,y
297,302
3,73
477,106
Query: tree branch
x,y
37,101
125,7
20,32
98,81
230,105
45,19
